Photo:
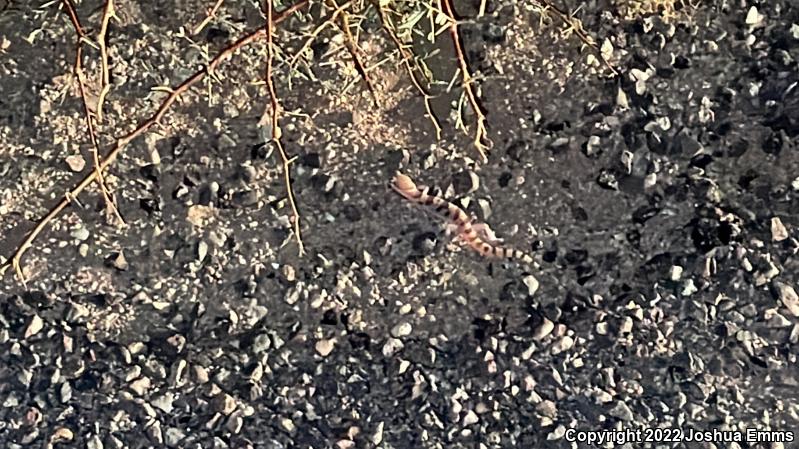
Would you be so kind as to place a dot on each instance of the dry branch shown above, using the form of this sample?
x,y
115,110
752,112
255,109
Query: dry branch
x,y
208,17
576,27
143,127
108,12
354,50
78,69
329,21
407,57
275,121
480,134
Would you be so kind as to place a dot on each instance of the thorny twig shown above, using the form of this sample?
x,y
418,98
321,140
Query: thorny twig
x,y
315,33
105,86
407,57
142,128
481,134
78,69
275,121
482,9
354,50
576,26
208,17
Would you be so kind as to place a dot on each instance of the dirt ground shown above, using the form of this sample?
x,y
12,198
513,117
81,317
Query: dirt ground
x,y
660,206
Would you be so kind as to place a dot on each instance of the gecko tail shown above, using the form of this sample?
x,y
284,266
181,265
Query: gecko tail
x,y
513,254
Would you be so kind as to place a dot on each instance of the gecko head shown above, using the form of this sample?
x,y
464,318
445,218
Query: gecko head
x,y
403,182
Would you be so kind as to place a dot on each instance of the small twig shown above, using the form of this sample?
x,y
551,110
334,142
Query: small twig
x,y
95,150
329,21
354,50
482,10
208,17
576,27
275,120
105,82
78,69
143,127
73,16
481,133
407,57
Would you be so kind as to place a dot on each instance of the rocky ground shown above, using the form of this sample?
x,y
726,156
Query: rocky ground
x,y
660,206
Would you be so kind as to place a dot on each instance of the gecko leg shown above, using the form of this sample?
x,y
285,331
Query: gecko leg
x,y
486,233
453,231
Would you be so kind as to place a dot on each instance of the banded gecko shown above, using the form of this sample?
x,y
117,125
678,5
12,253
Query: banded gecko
x,y
475,235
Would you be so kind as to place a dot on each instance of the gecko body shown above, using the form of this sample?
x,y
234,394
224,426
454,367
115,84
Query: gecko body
x,y
467,231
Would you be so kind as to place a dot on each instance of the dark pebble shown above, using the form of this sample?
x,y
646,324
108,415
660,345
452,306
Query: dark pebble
x,y
343,118
557,126
38,298
575,256
701,160
633,185
312,160
464,182
216,35
553,312
330,317
352,213
773,143
483,328
245,198
425,243
319,48
259,151
664,72
633,236
513,291
322,182
151,172
505,178
99,299
493,33
150,205
88,381
393,159
688,144
681,62
738,148
745,180
515,320
359,340
579,214
550,256
705,234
